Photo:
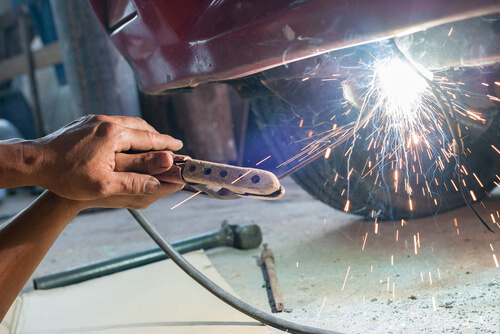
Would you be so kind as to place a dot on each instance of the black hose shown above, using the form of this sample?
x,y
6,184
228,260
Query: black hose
x,y
216,290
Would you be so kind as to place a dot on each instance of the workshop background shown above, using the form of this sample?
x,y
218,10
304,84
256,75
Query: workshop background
x,y
336,270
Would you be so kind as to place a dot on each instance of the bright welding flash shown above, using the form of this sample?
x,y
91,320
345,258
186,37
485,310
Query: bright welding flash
x,y
400,88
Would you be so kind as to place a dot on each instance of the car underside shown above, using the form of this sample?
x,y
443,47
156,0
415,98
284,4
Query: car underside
x,y
385,110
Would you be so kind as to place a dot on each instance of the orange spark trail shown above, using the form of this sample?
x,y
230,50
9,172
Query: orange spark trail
x,y
321,309
242,176
258,163
364,241
346,275
184,201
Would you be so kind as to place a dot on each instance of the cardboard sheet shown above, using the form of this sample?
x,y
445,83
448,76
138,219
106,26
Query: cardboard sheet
x,y
157,298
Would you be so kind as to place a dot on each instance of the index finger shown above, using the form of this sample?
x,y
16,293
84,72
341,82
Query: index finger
x,y
143,140
130,122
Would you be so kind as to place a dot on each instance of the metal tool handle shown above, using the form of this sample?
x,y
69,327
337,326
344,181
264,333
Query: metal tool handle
x,y
240,180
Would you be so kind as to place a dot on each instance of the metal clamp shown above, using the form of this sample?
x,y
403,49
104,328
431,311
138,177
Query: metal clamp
x,y
229,182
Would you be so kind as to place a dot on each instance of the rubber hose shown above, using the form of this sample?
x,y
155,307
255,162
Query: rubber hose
x,y
266,318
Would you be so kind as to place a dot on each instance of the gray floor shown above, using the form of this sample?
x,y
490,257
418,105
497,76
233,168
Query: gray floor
x,y
327,277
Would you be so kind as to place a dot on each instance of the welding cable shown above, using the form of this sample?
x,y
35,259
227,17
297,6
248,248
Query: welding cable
x,y
438,93
263,317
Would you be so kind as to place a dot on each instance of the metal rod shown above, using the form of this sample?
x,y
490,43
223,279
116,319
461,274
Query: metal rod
x,y
223,237
268,261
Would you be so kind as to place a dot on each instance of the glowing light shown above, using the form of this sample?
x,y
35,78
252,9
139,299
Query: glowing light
x,y
321,309
184,201
258,163
242,176
364,241
415,244
346,275
474,198
327,153
401,89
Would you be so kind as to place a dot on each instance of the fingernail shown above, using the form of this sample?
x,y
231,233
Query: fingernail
x,y
179,142
151,187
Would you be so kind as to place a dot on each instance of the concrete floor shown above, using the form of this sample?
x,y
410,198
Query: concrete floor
x,y
330,276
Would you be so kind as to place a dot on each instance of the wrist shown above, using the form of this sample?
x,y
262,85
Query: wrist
x,y
69,208
20,163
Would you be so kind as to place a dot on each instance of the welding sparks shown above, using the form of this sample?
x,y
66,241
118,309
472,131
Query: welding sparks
x,y
321,309
327,153
401,88
346,208
473,196
184,201
400,119
415,245
346,275
364,241
242,176
258,163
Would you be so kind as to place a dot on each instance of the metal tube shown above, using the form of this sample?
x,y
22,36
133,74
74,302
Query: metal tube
x,y
268,261
223,237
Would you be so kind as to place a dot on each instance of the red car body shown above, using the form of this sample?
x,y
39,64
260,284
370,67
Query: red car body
x,y
180,43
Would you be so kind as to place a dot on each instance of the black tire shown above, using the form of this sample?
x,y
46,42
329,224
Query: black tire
x,y
280,122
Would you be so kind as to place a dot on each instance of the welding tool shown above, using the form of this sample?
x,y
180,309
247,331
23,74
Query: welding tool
x,y
222,181
268,261
267,186
245,236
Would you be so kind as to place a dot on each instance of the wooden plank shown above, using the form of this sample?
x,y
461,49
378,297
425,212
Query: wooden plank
x,y
12,67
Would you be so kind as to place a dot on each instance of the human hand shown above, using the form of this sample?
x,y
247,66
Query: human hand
x,y
86,159
148,163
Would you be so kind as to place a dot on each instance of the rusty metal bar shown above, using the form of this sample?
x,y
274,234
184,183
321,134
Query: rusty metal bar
x,y
268,261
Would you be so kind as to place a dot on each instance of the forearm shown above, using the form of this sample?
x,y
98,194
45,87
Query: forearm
x,y
26,238
20,163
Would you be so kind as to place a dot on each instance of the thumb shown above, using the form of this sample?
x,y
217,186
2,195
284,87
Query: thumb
x,y
137,184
